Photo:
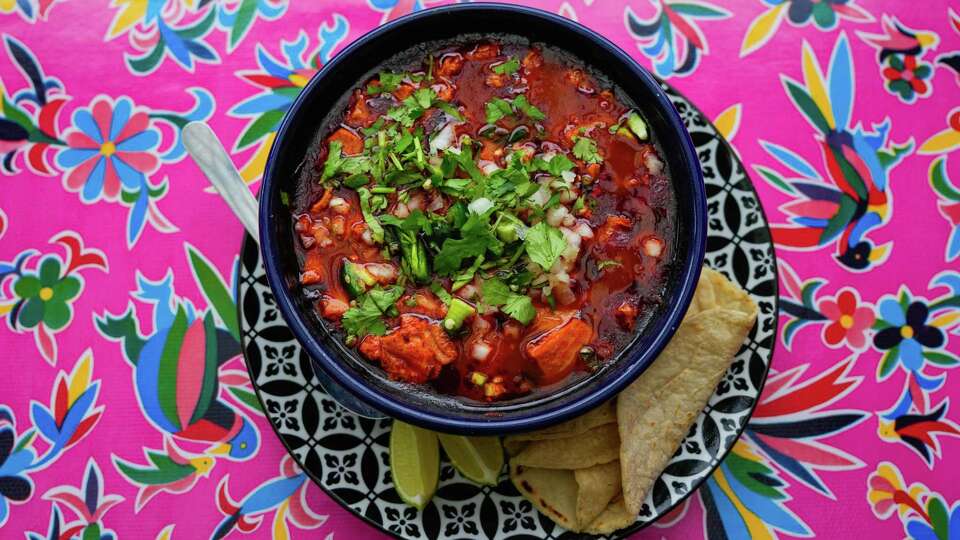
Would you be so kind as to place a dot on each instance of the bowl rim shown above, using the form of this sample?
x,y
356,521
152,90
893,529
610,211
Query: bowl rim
x,y
490,425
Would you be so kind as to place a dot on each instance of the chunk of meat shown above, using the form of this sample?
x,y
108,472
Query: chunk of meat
x,y
333,308
626,315
484,51
424,303
444,90
450,65
352,143
359,114
403,90
555,352
533,59
413,352
615,224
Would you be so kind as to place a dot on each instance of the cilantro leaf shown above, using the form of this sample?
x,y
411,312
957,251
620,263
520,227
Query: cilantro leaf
x,y
586,149
376,230
520,307
497,108
390,81
424,97
476,238
527,108
544,244
415,222
334,159
509,67
495,292
557,165
366,317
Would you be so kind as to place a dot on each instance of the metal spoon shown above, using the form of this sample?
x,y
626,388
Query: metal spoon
x,y
204,147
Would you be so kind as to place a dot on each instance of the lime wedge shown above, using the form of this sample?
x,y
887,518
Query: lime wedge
x,y
414,463
478,458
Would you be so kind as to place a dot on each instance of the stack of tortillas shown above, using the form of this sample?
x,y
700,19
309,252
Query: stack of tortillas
x,y
591,474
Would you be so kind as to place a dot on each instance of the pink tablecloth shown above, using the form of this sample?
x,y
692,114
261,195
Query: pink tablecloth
x,y
855,434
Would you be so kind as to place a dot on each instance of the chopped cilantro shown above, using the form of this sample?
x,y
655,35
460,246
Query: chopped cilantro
x,y
376,230
508,67
424,97
527,108
388,82
518,306
497,108
366,317
586,149
334,159
476,238
557,165
544,244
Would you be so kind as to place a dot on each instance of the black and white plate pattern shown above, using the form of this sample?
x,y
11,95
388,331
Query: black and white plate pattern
x,y
348,455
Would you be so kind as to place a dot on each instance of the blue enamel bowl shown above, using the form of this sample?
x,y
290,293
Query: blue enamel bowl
x,y
418,404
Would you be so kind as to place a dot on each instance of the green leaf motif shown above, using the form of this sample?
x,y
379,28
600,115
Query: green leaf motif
x,y
939,517
246,397
806,105
169,361
941,359
839,222
264,124
244,18
700,11
939,181
754,476
167,470
887,363
774,179
148,62
215,290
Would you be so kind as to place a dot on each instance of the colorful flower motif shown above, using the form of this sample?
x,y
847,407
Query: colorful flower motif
x,y
15,460
89,504
900,53
906,76
671,37
280,81
845,319
285,494
823,13
42,297
949,203
906,332
946,140
855,200
111,146
850,320
924,514
47,296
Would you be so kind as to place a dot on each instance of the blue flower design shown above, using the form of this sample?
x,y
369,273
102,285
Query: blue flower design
x,y
907,333
14,485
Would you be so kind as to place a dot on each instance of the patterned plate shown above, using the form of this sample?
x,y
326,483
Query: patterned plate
x,y
348,455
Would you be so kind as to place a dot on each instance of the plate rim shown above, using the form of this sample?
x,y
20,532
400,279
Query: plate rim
x,y
620,533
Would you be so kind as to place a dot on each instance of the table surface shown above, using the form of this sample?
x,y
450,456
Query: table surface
x,y
839,109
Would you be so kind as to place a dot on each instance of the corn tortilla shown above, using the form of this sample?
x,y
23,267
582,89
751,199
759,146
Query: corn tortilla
x,y
596,487
552,491
655,412
598,445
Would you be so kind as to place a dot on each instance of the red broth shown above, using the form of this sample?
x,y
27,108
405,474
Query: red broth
x,y
621,210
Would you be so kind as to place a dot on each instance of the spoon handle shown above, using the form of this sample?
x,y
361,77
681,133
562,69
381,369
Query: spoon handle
x,y
205,149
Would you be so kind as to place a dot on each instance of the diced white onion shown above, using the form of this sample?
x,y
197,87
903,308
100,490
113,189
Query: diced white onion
x,y
401,211
654,165
415,202
367,237
488,167
568,176
382,272
540,197
568,221
583,229
339,205
481,350
556,214
480,205
436,203
443,139
653,246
